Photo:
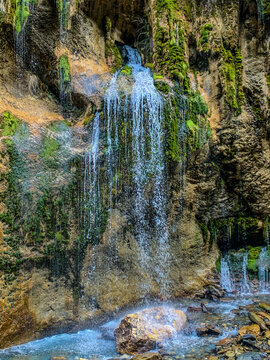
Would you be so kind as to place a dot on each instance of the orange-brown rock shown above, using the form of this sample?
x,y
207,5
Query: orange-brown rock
x,y
142,331
253,329
225,341
148,356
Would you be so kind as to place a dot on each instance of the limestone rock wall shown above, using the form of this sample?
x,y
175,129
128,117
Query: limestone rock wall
x,y
220,48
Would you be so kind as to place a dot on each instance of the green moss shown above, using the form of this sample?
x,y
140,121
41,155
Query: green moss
x,y
213,231
186,124
112,52
22,13
127,70
50,146
193,127
266,9
162,86
64,70
58,126
9,124
268,80
204,230
253,256
205,34
232,73
63,11
169,56
172,119
157,76
149,66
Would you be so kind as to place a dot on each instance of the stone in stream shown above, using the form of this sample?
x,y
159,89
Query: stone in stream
x,y
142,331
148,356
225,342
253,329
205,331
265,306
257,320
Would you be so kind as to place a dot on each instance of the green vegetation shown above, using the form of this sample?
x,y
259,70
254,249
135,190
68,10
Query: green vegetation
x,y
268,80
64,70
231,70
163,87
170,44
9,124
204,231
112,52
50,146
205,33
253,256
186,124
266,8
63,11
22,13
65,80
127,70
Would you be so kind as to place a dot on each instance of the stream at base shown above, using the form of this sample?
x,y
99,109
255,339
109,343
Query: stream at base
x,y
227,315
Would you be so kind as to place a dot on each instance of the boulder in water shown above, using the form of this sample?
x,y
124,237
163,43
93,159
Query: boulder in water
x,y
253,329
257,320
209,330
142,331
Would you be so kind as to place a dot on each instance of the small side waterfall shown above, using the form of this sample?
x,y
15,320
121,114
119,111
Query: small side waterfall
x,y
234,275
264,267
245,288
111,110
260,6
226,281
2,6
91,181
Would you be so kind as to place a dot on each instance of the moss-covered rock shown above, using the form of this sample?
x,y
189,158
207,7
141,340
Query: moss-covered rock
x,y
253,256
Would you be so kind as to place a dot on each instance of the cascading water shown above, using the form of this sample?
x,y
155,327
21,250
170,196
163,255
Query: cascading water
x,y
2,6
147,109
260,6
245,288
226,281
264,267
112,110
141,112
91,180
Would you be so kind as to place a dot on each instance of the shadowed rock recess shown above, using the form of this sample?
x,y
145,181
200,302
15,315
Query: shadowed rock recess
x,y
134,156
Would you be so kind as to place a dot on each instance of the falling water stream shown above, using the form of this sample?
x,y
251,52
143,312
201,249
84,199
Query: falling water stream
x,y
142,113
226,281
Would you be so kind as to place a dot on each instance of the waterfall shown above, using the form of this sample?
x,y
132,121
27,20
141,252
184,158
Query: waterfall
x,y
264,267
245,288
226,281
134,128
112,113
91,180
2,6
147,110
260,6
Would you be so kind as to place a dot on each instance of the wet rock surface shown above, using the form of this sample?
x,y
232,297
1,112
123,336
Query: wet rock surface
x,y
143,330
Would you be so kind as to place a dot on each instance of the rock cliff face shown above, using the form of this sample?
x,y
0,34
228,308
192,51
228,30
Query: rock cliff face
x,y
210,61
